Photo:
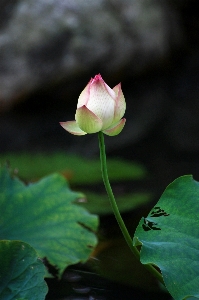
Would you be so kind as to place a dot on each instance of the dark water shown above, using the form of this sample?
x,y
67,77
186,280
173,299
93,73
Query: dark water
x,y
85,285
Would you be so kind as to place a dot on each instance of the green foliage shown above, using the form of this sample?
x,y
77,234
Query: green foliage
x,y
170,238
81,171
77,169
21,272
43,215
99,204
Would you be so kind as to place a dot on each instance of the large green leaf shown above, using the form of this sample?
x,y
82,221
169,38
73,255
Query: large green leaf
x,y
76,168
170,237
43,214
21,272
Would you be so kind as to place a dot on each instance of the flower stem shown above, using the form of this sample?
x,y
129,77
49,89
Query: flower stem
x,y
116,210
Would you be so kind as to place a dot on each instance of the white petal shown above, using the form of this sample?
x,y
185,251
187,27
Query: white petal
x,y
120,104
72,127
101,104
87,120
84,96
116,128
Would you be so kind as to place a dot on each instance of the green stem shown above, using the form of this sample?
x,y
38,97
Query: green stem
x,y
116,210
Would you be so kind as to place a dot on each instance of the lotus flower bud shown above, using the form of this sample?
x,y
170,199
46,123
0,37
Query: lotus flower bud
x,y
99,108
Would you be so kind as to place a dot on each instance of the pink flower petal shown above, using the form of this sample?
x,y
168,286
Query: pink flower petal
x,y
120,104
101,103
116,128
72,127
84,96
87,120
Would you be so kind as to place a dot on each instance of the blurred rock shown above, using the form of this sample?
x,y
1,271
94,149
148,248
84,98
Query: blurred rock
x,y
44,42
